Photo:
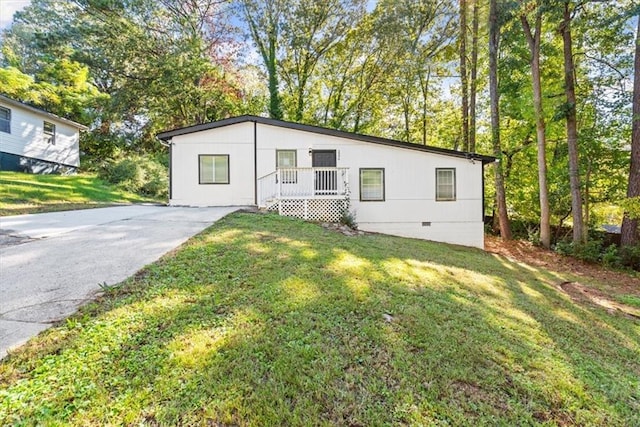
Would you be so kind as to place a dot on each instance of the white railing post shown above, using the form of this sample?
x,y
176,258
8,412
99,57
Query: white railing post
x,y
278,184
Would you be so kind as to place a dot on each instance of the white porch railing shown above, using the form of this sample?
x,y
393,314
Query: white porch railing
x,y
303,183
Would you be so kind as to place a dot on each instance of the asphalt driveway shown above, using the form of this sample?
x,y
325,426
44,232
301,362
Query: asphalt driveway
x,y
52,263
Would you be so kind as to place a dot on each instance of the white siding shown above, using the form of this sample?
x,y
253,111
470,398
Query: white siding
x,y
409,208
237,142
27,138
409,185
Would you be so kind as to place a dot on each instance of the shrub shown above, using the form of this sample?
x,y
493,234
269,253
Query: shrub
x,y
589,252
126,173
348,218
595,251
144,175
610,257
630,257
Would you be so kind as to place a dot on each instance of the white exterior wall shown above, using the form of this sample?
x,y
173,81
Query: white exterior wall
x,y
27,138
409,181
235,141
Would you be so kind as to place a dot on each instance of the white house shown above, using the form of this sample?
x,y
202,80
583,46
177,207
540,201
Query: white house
x,y
392,187
33,140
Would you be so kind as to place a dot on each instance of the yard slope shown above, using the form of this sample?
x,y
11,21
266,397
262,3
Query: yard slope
x,y
22,193
264,320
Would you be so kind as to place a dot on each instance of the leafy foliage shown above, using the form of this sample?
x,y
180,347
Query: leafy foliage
x,y
130,69
144,175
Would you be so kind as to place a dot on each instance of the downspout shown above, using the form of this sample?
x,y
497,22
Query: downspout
x,y
255,163
483,197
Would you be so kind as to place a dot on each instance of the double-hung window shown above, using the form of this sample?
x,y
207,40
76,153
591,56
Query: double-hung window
x,y
287,159
372,184
214,168
49,133
445,184
5,120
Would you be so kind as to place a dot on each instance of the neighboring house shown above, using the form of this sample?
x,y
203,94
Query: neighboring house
x,y
306,171
33,140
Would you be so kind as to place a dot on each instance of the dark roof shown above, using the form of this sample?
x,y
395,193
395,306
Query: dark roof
x,y
165,136
20,104
612,229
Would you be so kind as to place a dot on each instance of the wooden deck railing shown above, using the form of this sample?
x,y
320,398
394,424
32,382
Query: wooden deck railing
x,y
303,183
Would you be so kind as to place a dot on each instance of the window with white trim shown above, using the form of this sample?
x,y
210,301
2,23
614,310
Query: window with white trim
x,y
372,184
49,130
287,159
445,184
5,120
214,168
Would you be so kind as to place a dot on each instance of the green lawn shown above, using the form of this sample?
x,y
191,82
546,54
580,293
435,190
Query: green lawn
x,y
263,320
22,193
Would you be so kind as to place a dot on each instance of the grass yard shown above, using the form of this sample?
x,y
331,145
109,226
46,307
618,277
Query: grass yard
x,y
22,193
263,320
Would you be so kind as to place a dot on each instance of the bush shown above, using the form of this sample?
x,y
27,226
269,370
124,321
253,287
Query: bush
x,y
610,257
144,175
348,218
630,257
589,252
595,251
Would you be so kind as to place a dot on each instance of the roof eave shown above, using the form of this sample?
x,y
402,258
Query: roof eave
x,y
165,136
19,104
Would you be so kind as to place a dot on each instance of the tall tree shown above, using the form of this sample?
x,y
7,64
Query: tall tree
x,y
264,19
630,225
310,30
162,63
579,231
474,76
534,42
463,75
494,40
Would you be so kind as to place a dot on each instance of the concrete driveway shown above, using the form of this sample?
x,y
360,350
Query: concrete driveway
x,y
51,263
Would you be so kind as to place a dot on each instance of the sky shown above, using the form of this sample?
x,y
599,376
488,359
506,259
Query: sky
x,y
8,8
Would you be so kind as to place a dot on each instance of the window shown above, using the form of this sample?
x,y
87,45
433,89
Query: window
x,y
5,120
445,184
50,133
372,185
287,159
214,168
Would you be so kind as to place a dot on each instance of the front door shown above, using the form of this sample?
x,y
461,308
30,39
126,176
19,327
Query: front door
x,y
326,181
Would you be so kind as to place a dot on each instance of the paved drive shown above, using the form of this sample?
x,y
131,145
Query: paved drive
x,y
51,263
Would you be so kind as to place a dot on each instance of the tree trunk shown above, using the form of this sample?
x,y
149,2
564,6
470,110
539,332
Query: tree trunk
x,y
463,74
474,76
494,39
579,232
265,35
533,39
630,226
275,104
424,87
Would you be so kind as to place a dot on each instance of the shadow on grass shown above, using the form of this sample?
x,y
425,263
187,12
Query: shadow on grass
x,y
271,321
